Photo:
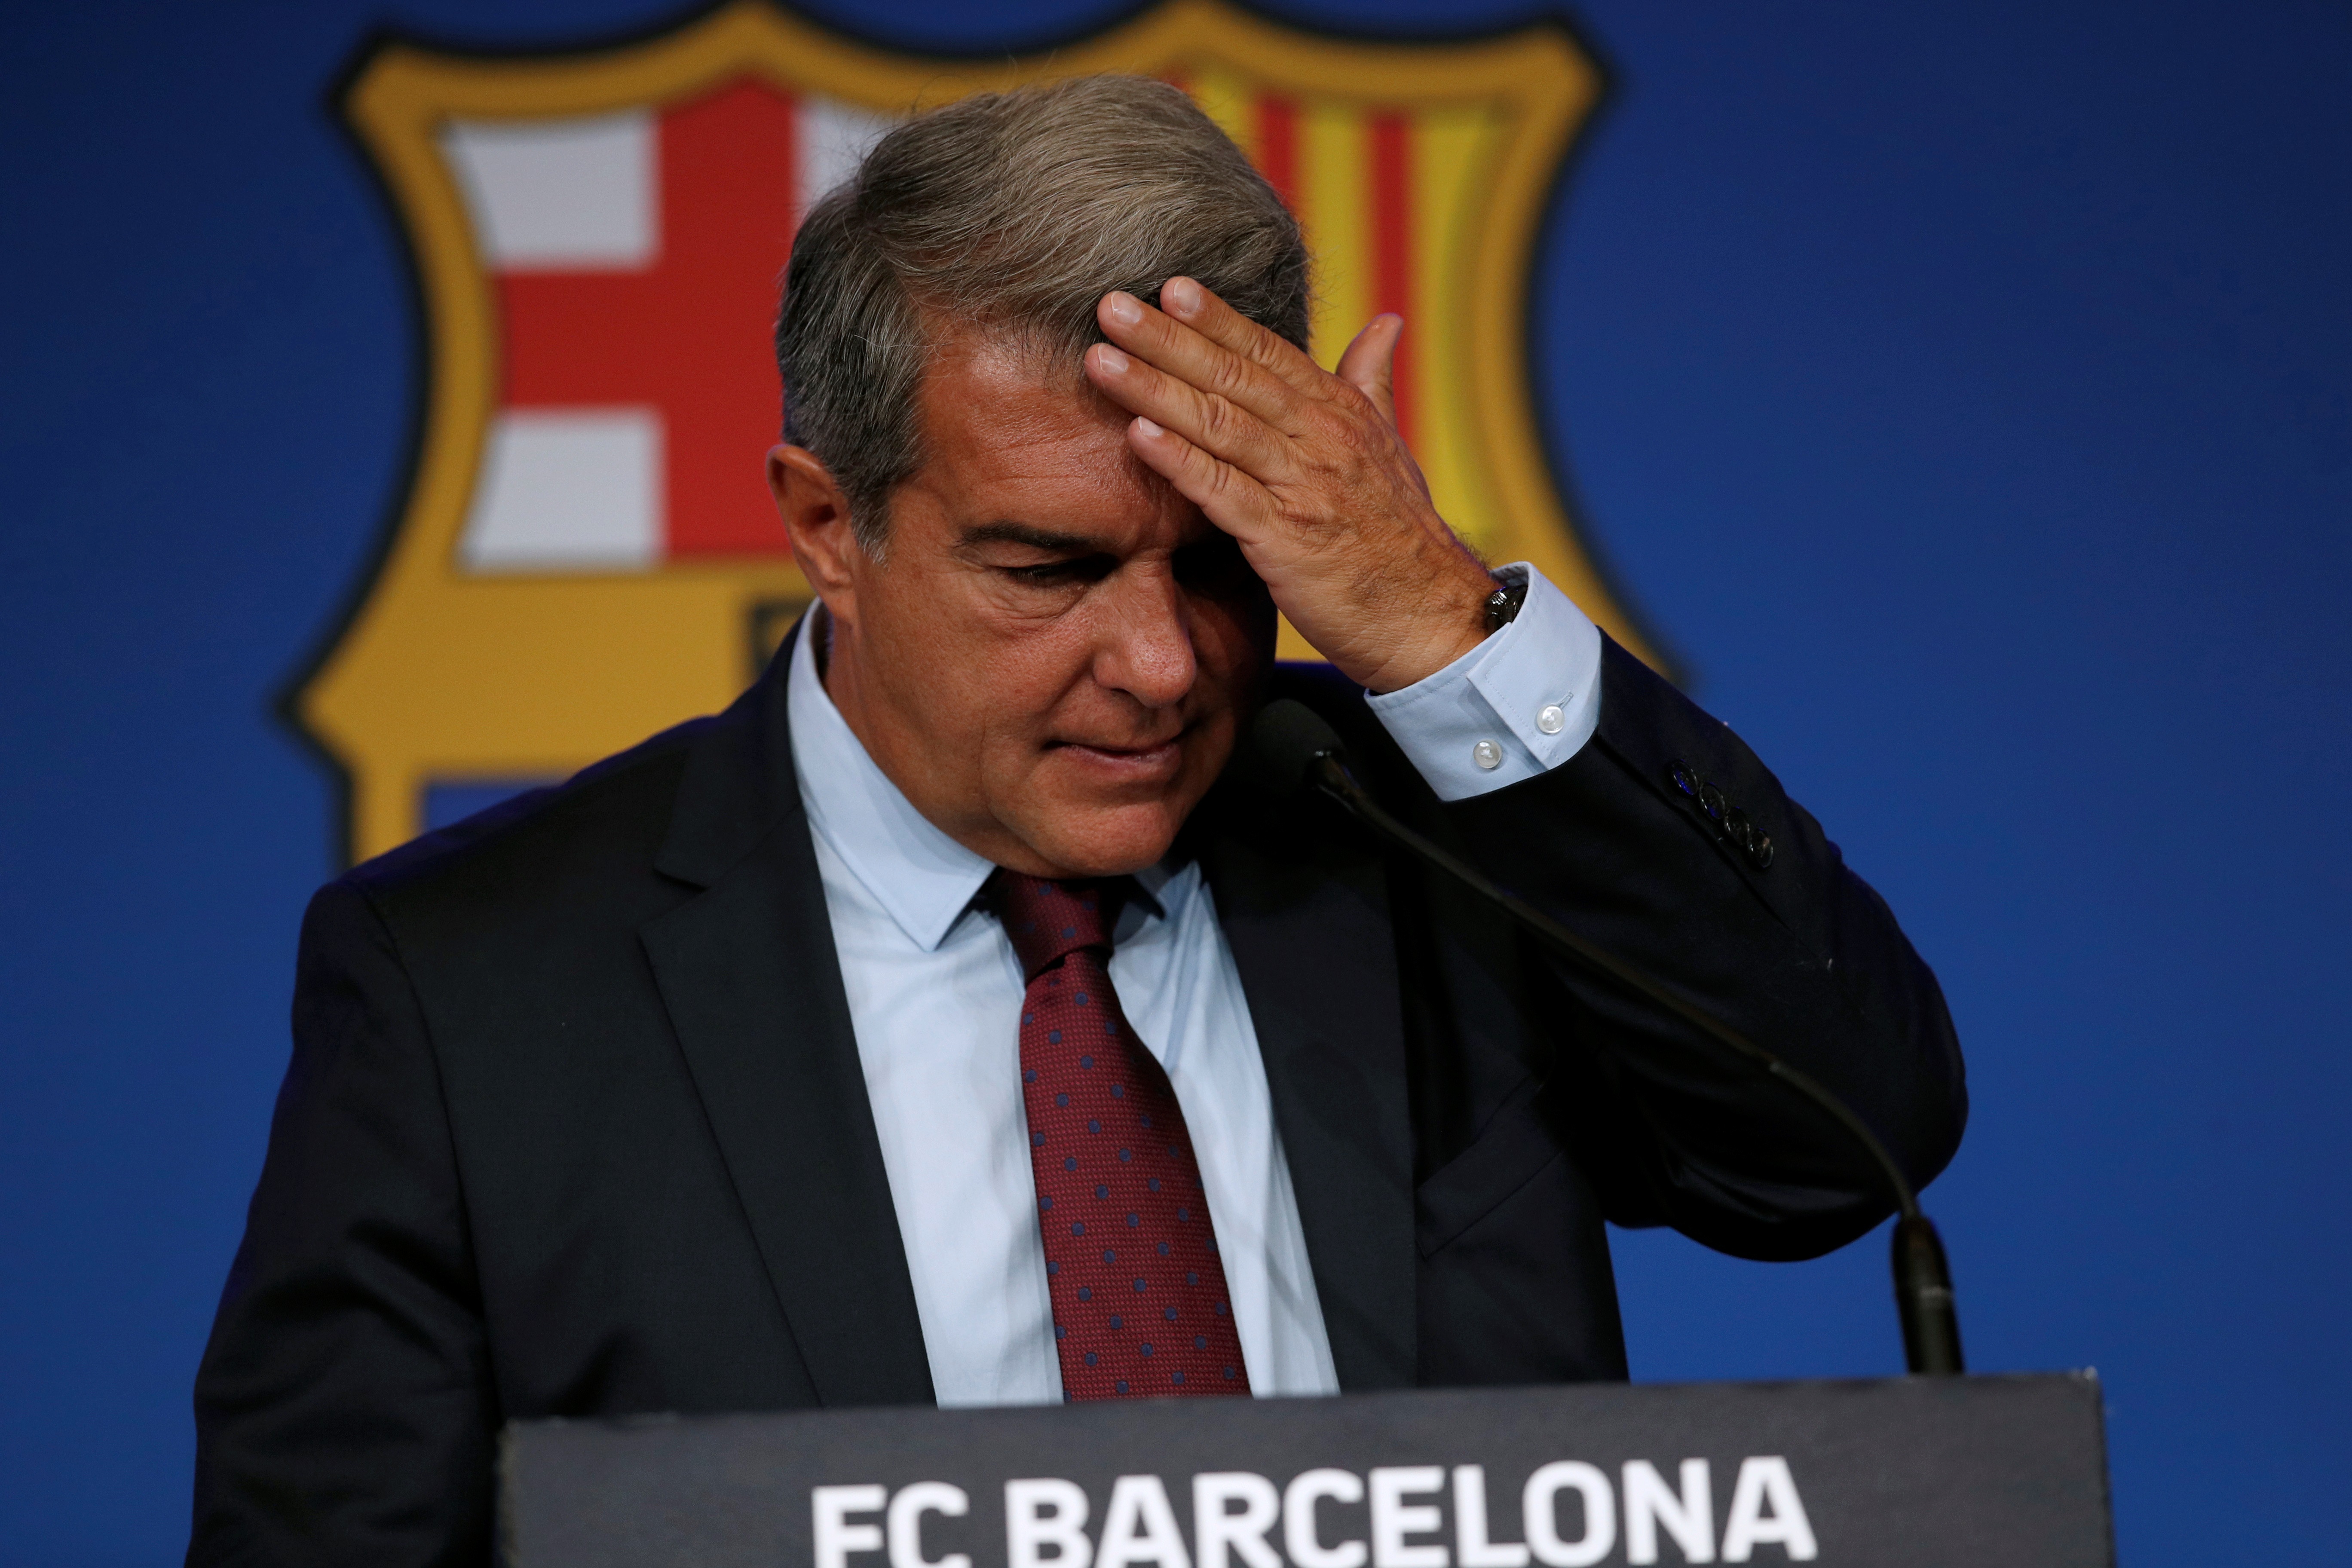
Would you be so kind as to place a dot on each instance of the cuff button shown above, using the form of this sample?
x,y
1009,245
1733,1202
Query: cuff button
x,y
1487,755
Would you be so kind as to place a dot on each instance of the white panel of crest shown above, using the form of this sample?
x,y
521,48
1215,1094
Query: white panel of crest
x,y
556,194
567,489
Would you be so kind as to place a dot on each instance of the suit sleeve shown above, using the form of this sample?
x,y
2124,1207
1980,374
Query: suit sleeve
x,y
1648,841
343,1406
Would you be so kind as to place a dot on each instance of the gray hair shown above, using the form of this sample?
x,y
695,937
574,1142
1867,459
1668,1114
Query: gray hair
x,y
1016,212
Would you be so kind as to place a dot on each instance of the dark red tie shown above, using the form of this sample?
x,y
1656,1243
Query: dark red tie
x,y
1140,1309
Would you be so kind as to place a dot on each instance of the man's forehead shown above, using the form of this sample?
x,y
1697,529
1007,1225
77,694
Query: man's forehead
x,y
1012,424
1020,390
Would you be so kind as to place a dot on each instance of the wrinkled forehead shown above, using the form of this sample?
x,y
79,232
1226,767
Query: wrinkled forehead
x,y
1014,372
1008,429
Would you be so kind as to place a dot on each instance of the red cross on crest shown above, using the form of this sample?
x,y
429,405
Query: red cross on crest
x,y
669,338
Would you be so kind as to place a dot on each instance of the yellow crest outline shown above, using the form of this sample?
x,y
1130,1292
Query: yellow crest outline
x,y
399,694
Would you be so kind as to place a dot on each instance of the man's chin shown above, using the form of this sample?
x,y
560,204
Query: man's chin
x,y
1102,839
1091,813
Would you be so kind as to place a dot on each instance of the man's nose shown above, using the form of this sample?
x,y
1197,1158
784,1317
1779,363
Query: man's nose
x,y
1146,649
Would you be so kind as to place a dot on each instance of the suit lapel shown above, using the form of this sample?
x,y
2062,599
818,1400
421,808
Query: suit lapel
x,y
752,986
1317,957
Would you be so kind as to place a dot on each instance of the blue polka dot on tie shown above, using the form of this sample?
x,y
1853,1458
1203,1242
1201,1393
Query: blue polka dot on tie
x,y
1109,1255
1062,1101
1170,1314
1164,1246
1191,1277
1028,1075
1154,1184
1118,1091
1086,1293
1060,1332
1037,1139
1051,1267
1118,1324
1199,1343
1085,1062
1141,1286
1071,1163
1090,1361
1045,1203
1093,1126
1054,1037
1145,1347
1125,1155
1144,1120
1102,1192
1183,1214
1068,933
1219,1309
1122,1385
1178,1377
1078,1228
1133,1220
1212,1245
1229,1371
1082,998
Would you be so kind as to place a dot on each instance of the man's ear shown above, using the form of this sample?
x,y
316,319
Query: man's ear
x,y
816,515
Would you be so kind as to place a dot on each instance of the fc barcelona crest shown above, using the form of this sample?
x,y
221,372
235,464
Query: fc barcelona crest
x,y
586,552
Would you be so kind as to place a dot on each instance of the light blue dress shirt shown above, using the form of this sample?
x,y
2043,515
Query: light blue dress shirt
x,y
934,993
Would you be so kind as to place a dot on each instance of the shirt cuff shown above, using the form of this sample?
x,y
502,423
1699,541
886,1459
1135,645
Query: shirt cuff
x,y
1519,704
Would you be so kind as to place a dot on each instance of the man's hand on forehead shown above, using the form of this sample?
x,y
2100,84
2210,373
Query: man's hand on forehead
x,y
1305,470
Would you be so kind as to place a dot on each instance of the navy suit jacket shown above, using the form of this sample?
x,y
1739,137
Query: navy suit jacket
x,y
575,1123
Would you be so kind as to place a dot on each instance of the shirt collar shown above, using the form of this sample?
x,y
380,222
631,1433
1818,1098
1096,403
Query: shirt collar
x,y
922,878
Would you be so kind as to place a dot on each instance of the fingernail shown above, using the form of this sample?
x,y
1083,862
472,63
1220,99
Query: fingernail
x,y
1150,430
1123,308
1181,295
1110,359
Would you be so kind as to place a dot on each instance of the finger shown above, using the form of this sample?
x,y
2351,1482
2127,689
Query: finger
x,y
1215,424
1226,496
1190,356
1370,364
1194,304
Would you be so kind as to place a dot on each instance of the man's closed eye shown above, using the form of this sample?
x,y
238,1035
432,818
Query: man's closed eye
x,y
1056,574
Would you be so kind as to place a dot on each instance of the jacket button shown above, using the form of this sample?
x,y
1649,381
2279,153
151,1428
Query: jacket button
x,y
1683,779
1710,800
1744,833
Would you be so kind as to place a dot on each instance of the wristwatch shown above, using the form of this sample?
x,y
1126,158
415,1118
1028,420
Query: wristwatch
x,y
1503,603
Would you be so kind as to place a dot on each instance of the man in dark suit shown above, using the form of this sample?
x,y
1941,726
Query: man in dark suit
x,y
948,1021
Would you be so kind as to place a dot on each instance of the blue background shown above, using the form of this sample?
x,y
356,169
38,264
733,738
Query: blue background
x,y
1964,394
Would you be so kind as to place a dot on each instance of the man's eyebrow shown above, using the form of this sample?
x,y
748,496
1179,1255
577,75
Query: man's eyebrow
x,y
1034,538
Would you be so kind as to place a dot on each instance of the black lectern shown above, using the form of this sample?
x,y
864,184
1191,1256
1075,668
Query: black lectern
x,y
1914,1471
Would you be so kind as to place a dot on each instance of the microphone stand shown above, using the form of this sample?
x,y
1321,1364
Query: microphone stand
x,y
1922,1280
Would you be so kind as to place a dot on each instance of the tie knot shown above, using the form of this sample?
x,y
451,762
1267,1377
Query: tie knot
x,y
1049,921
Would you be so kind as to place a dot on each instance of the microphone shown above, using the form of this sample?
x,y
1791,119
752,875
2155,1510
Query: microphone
x,y
1296,749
